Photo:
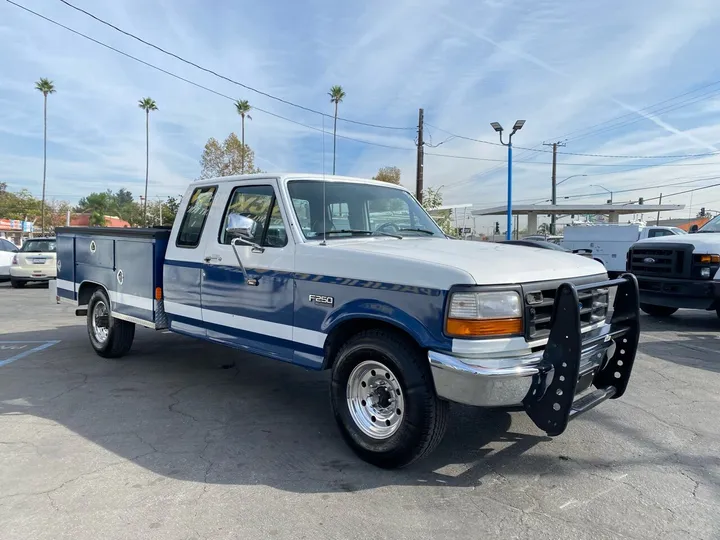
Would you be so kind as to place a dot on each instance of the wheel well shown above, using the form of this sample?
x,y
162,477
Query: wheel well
x,y
599,260
85,291
347,329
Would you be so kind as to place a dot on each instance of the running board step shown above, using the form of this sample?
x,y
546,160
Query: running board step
x,y
591,400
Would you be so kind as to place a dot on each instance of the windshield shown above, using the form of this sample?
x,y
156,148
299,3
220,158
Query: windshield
x,y
712,226
677,230
357,210
38,246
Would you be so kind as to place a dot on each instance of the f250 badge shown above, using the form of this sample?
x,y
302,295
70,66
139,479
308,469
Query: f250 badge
x,y
321,300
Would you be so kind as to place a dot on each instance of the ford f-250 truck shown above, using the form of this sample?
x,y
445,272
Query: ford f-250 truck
x,y
354,276
678,271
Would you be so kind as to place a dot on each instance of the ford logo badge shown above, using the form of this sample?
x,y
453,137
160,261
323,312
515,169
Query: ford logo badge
x,y
649,260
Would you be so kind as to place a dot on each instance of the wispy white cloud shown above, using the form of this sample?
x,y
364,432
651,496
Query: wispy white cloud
x,y
560,66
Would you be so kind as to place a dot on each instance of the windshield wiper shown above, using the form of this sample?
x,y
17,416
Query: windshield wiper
x,y
361,231
419,230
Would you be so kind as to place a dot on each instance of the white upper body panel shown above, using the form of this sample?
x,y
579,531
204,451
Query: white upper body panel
x,y
416,261
440,263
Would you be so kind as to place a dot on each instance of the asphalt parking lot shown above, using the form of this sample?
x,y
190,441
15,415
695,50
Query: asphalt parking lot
x,y
185,440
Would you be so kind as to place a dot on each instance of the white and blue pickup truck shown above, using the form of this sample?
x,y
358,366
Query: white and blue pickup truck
x,y
354,276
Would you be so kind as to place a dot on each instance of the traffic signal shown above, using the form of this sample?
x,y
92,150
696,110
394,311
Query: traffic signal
x,y
640,200
497,227
702,212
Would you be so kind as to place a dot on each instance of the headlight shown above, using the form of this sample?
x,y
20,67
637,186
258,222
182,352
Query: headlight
x,y
484,314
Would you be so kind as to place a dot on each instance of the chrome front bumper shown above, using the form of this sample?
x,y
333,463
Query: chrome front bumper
x,y
500,382
550,384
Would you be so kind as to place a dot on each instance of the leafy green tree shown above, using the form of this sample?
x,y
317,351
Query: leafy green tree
x,y
147,105
98,205
391,175
337,94
243,109
227,158
46,87
19,205
432,200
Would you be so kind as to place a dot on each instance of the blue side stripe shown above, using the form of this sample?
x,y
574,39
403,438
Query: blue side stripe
x,y
319,278
251,336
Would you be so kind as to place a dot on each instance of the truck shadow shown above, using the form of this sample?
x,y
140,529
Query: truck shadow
x,y
192,411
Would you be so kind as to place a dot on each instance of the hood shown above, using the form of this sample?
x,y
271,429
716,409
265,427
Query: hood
x,y
486,262
703,242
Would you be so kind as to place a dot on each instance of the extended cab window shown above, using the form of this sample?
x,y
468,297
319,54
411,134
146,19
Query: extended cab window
x,y
659,232
195,216
254,208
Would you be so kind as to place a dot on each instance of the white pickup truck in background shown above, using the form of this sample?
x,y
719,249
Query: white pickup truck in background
x,y
679,271
609,244
355,277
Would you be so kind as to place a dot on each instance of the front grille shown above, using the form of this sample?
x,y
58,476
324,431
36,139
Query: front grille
x,y
538,315
661,260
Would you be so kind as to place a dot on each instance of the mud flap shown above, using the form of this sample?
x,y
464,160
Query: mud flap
x,y
550,402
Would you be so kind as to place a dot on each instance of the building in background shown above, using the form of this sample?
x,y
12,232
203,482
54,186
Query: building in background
x,y
15,230
83,220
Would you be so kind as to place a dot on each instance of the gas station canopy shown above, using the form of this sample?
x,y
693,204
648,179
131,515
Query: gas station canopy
x,y
532,211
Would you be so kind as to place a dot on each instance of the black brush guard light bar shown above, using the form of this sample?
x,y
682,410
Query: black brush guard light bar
x,y
551,401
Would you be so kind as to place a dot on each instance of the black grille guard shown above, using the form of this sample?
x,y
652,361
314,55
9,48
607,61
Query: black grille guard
x,y
551,401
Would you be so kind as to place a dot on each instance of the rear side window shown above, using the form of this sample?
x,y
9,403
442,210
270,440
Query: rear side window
x,y
196,213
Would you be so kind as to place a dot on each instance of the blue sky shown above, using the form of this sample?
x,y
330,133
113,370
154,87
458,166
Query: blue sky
x,y
561,66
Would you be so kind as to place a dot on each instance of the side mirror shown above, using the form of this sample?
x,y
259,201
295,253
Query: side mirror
x,y
243,232
693,229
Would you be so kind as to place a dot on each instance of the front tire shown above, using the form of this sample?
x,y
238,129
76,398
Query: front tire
x,y
109,336
384,400
658,311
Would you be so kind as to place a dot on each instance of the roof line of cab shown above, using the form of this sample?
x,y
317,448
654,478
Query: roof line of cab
x,y
294,176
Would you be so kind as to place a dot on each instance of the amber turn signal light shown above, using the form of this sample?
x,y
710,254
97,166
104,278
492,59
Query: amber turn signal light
x,y
483,327
158,293
708,259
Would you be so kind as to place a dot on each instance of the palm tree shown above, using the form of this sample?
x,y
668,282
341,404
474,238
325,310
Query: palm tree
x,y
147,104
243,109
336,96
46,87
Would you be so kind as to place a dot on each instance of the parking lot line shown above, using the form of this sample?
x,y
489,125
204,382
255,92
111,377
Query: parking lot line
x,y
42,346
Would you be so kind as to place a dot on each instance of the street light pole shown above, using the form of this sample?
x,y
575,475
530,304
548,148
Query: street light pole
x,y
606,189
499,129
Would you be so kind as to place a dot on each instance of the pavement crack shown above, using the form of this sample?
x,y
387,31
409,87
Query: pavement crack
x,y
695,487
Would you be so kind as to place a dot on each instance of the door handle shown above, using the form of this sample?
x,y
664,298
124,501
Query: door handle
x,y
213,258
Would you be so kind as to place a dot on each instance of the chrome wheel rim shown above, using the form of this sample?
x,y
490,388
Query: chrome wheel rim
x,y
375,399
100,321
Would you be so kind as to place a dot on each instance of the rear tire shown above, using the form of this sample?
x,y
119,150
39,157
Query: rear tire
x,y
16,284
658,311
109,336
384,399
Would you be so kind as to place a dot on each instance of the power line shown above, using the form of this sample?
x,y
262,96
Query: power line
x,y
221,76
644,109
320,130
539,150
198,85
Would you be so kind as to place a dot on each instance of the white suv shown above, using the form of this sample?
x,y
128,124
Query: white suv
x,y
36,261
7,252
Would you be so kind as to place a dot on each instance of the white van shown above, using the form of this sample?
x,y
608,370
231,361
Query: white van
x,y
609,244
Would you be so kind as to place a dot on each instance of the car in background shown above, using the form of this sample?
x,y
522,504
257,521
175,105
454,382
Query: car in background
x,y
546,244
7,252
35,262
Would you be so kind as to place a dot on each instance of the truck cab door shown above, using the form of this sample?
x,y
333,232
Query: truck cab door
x,y
247,279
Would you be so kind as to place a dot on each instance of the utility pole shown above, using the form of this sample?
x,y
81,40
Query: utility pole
x,y
657,221
553,217
420,158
